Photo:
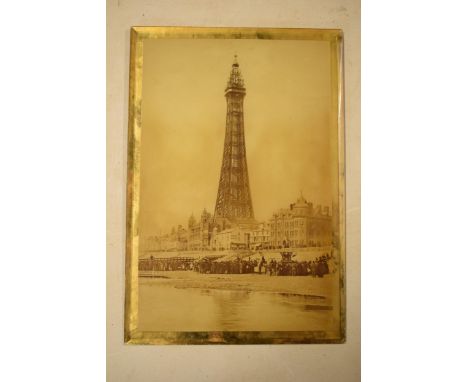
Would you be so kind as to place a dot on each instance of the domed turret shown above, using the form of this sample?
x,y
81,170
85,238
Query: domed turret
x,y
301,206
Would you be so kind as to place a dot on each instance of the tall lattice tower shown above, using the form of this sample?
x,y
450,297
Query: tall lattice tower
x,y
234,202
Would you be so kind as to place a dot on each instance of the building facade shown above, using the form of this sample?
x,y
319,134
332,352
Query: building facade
x,y
301,225
236,237
199,232
261,236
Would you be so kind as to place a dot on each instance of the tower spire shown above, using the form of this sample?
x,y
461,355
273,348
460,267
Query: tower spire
x,y
234,202
235,78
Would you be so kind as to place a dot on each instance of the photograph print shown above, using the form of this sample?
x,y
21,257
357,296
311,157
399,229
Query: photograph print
x,y
235,189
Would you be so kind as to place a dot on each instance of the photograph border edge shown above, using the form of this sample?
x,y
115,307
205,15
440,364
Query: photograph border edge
x,y
137,35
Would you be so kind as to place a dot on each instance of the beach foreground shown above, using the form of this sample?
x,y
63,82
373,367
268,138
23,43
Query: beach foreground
x,y
190,301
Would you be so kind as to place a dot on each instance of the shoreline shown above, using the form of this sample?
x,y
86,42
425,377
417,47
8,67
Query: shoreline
x,y
300,286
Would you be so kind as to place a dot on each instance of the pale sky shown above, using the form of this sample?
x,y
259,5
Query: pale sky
x,y
286,123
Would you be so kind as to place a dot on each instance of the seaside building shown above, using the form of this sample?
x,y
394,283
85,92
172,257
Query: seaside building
x,y
236,237
199,232
303,224
261,236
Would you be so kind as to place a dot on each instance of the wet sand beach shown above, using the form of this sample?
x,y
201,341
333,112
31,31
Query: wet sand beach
x,y
190,301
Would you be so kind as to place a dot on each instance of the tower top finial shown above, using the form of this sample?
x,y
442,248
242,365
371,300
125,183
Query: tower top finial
x,y
235,78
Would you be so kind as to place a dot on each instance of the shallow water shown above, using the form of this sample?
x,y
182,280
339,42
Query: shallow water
x,y
166,308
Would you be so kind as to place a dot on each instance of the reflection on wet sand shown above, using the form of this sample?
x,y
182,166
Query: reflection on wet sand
x,y
164,307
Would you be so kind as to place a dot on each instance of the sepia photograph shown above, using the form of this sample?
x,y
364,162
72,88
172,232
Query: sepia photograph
x,y
235,204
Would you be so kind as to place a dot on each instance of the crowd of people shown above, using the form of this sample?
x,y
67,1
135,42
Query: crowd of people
x,y
316,268
285,267
236,266
169,264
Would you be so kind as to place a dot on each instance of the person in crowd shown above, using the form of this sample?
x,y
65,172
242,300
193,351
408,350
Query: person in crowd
x,y
262,264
